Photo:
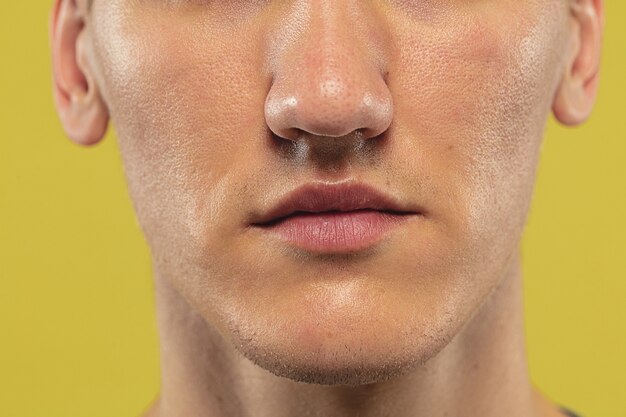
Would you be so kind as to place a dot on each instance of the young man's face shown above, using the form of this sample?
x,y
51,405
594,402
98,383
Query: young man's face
x,y
223,107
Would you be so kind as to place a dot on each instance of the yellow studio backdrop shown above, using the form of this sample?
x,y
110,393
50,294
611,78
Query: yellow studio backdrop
x,y
77,330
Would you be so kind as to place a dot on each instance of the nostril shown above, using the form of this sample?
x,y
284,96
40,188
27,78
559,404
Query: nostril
x,y
339,100
280,115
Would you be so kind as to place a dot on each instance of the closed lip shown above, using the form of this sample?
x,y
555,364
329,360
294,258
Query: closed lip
x,y
324,197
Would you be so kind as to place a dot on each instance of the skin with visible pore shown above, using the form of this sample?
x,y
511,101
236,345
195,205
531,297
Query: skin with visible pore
x,y
222,107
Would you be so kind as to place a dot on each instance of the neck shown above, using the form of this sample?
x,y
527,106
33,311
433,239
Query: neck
x,y
481,372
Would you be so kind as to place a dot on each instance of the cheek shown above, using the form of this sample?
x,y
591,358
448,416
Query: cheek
x,y
459,75
474,95
165,81
182,99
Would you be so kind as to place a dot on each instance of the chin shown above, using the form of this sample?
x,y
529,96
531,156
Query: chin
x,y
339,369
343,349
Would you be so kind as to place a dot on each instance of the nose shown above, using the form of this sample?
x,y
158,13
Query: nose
x,y
328,73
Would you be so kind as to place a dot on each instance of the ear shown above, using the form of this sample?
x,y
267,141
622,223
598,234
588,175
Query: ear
x,y
83,113
576,93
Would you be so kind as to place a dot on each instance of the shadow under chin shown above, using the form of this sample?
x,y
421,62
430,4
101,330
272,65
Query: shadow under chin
x,y
338,368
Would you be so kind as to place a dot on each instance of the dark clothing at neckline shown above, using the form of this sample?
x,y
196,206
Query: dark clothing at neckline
x,y
569,412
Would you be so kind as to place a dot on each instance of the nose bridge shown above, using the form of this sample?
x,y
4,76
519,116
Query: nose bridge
x,y
328,79
329,37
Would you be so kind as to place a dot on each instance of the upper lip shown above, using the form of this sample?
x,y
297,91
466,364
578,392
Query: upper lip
x,y
322,197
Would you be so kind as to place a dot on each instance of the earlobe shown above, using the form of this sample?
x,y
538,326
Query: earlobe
x,y
576,93
82,111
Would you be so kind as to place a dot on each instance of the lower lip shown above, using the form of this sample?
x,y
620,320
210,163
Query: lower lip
x,y
336,232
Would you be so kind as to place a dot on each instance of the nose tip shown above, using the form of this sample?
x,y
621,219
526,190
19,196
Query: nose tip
x,y
329,78
332,100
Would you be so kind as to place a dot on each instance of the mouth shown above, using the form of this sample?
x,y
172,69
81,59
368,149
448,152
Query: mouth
x,y
334,218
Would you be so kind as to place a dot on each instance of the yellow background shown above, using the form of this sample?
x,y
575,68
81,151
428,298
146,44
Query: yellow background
x,y
77,328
